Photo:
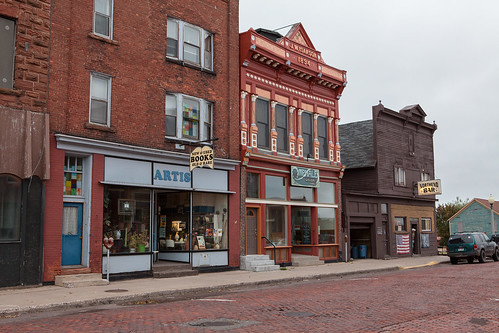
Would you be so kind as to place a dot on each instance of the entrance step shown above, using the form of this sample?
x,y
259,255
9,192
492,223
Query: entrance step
x,y
80,280
171,269
258,263
305,260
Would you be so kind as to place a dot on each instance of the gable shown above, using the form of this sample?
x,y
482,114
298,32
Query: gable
x,y
413,111
298,35
474,217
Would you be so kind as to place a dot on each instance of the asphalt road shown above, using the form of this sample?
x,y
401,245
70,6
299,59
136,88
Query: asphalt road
x,y
443,298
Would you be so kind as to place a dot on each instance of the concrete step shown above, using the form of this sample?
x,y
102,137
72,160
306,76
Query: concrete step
x,y
80,280
305,260
265,268
170,266
249,261
174,273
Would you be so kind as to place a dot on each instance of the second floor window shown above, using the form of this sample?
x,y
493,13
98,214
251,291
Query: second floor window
x,y
399,176
188,117
307,134
425,176
103,18
263,123
322,136
100,99
189,43
281,123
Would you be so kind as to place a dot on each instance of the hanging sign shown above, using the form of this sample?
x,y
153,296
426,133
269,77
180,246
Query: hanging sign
x,y
304,177
429,187
201,156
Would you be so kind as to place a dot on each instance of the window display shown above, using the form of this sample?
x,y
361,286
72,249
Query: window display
x,y
277,225
301,223
127,218
327,225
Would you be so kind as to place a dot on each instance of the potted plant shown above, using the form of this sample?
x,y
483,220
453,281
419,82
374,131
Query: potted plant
x,y
132,242
142,241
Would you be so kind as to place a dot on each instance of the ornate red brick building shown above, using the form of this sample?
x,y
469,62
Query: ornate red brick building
x,y
289,146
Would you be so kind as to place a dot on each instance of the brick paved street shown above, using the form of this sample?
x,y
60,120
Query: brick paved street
x,y
443,298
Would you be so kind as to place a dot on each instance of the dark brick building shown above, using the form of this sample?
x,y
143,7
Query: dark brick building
x,y
385,158
24,130
132,93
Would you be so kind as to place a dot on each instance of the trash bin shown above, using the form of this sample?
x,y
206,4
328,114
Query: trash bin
x,y
355,252
363,251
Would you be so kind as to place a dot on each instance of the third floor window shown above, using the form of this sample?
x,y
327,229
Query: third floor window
x,y
103,18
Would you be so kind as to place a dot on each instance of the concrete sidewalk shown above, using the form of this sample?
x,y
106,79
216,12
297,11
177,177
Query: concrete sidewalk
x,y
17,301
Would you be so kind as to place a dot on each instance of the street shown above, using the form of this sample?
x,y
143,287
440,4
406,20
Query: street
x,y
443,298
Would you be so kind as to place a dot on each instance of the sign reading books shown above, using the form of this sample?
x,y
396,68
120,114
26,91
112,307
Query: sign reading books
x,y
201,156
305,177
429,187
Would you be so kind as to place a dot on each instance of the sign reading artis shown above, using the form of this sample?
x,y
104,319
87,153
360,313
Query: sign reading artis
x,y
429,187
304,177
201,156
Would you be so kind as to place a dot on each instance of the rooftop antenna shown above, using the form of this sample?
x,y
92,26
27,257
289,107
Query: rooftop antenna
x,y
289,25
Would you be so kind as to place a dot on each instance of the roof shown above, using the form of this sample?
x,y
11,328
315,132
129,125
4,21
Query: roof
x,y
270,34
357,145
483,202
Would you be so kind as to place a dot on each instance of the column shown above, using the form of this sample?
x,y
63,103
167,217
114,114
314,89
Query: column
x,y
244,126
273,132
254,128
292,138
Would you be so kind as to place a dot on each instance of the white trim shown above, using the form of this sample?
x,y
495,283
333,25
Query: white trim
x,y
108,78
111,15
290,203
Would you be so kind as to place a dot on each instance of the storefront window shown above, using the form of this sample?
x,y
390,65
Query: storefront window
x,y
73,175
277,225
400,224
301,225
326,193
252,185
127,218
298,193
275,187
10,208
209,221
173,223
327,225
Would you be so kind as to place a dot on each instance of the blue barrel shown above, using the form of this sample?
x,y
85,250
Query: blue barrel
x,y
355,252
363,251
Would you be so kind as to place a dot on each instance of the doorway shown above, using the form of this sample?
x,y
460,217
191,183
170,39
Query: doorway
x,y
251,231
416,249
72,234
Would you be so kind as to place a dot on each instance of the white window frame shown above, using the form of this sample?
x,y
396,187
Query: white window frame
x,y
399,174
109,16
426,222
205,111
425,176
205,49
108,78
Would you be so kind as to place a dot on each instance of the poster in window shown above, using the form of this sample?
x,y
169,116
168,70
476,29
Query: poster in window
x,y
201,243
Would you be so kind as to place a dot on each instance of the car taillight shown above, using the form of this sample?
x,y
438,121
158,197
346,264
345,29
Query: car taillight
x,y
447,249
475,247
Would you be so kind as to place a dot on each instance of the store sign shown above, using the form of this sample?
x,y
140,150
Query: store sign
x,y
201,156
171,175
305,177
429,187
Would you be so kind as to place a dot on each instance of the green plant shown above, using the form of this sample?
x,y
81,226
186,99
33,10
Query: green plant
x,y
136,239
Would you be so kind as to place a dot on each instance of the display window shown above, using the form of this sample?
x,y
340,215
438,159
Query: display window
x,y
127,218
301,224
277,224
327,225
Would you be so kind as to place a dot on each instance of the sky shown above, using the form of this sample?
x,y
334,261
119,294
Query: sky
x,y
442,55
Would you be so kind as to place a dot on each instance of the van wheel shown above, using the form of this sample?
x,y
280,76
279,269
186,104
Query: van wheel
x,y
481,258
453,261
470,260
495,256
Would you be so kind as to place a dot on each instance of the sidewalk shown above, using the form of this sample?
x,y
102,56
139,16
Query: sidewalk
x,y
17,301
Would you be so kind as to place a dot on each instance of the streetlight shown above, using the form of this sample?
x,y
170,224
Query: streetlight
x,y
492,224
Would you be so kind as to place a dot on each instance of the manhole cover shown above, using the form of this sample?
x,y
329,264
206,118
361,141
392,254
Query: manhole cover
x,y
220,324
299,314
116,291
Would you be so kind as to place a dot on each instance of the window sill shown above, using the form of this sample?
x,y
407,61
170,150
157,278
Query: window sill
x,y
102,128
103,39
187,142
12,92
190,65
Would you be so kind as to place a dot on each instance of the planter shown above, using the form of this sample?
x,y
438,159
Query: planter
x,y
141,248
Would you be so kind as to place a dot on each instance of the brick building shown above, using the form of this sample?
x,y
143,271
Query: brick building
x,y
132,93
384,160
289,147
24,151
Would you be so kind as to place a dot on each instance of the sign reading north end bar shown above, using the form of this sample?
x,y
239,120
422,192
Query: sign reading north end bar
x,y
429,187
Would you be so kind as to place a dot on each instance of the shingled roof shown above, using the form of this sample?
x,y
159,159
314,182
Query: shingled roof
x,y
357,146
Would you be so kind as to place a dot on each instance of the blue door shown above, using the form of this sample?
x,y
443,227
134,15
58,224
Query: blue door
x,y
72,233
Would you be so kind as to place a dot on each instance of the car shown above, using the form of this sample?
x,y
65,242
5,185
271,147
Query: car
x,y
471,245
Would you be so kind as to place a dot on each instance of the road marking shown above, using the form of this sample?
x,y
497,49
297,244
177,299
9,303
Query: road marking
x,y
419,266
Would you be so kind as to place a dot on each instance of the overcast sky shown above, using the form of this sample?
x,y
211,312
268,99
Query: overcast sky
x,y
442,55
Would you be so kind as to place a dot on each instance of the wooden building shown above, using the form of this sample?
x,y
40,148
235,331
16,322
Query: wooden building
x,y
289,144
384,159
476,216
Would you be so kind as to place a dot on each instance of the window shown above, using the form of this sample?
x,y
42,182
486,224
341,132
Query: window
x,y
189,43
10,208
100,99
298,193
103,18
277,225
188,117
400,224
426,224
326,193
275,187
7,52
262,122
327,225
322,136
73,176
425,176
252,185
281,115
399,176
301,225
306,133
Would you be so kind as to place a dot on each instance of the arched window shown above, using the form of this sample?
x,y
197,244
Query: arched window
x,y
10,208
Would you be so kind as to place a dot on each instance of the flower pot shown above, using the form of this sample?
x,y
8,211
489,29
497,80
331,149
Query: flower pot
x,y
141,248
